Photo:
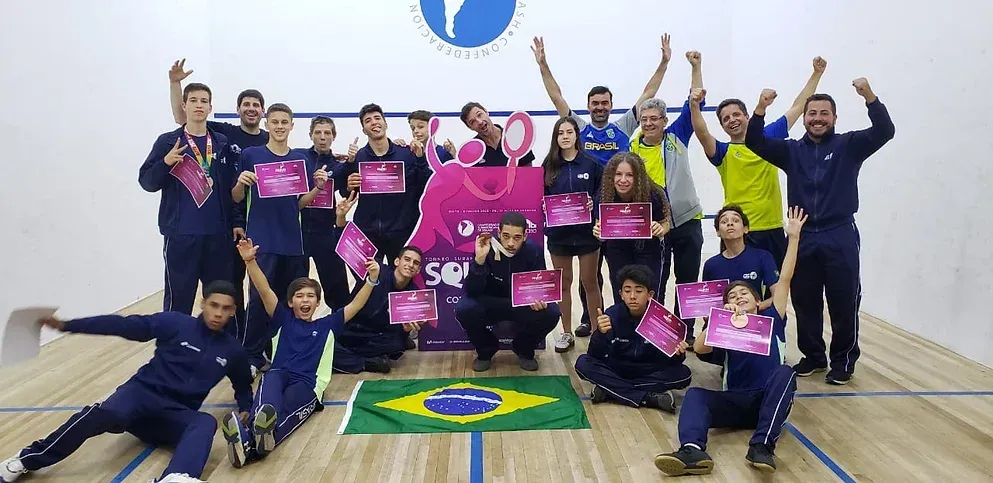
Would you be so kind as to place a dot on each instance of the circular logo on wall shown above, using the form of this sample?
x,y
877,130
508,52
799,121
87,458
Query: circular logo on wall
x,y
467,29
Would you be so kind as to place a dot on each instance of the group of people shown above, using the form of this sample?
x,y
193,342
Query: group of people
x,y
640,158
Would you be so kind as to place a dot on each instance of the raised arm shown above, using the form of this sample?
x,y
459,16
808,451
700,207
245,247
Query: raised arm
x,y
362,296
868,141
176,76
775,151
652,87
155,170
247,251
320,179
700,125
343,207
793,227
696,69
796,110
551,87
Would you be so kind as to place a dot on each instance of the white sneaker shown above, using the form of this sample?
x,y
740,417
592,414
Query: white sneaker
x,y
11,470
180,478
565,342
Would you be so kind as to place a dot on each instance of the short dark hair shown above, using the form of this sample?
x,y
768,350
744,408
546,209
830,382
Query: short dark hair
x,y
639,274
251,93
467,108
194,87
599,90
411,248
741,283
323,120
730,102
420,115
734,208
369,109
513,218
279,107
821,97
222,287
302,283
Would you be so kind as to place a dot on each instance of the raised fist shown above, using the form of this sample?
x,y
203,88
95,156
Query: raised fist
x,y
694,57
820,65
698,94
766,97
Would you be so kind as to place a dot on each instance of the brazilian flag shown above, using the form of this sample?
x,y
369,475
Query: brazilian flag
x,y
457,405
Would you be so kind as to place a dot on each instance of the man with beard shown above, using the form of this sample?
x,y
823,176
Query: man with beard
x,y
477,118
822,171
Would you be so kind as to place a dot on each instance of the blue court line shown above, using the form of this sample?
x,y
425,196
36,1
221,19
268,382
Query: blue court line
x,y
476,457
456,114
840,473
133,464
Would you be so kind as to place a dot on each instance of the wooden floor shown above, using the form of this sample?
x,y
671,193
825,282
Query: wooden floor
x,y
913,412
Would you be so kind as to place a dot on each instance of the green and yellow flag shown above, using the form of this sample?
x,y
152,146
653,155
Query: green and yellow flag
x,y
463,405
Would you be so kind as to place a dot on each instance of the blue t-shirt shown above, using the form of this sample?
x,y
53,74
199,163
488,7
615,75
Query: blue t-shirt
x,y
778,129
300,348
603,143
273,223
753,265
746,372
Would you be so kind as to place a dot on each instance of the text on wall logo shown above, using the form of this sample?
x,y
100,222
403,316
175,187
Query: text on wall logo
x,y
468,29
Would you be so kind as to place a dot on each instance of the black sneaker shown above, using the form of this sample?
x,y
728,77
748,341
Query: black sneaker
x,y
409,344
528,364
687,461
837,377
583,330
377,364
480,365
760,456
599,395
661,400
805,368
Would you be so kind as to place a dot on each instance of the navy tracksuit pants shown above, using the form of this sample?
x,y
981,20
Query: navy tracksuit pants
x,y
293,399
136,409
530,327
280,270
350,353
330,268
631,386
762,410
650,255
682,254
189,260
828,266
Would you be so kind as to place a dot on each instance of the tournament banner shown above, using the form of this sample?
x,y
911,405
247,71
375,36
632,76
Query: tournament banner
x,y
459,203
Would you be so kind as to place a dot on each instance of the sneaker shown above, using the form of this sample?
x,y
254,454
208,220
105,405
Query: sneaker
x,y
11,470
565,342
180,478
480,365
661,400
409,344
265,427
377,364
805,368
837,377
237,438
760,456
528,364
413,334
687,461
599,395
583,330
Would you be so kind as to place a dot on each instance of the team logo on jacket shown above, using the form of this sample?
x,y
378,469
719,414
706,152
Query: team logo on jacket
x,y
467,29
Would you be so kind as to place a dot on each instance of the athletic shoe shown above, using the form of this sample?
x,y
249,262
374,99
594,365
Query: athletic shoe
x,y
11,470
837,377
480,365
265,427
377,364
528,364
583,330
661,400
180,478
687,461
805,368
565,342
598,395
760,456
237,438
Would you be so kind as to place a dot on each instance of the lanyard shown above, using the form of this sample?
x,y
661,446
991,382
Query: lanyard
x,y
204,163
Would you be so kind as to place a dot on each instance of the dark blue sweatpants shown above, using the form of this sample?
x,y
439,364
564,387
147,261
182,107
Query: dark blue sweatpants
x,y
293,399
630,387
478,314
350,353
280,271
330,268
136,409
650,256
828,266
189,260
762,410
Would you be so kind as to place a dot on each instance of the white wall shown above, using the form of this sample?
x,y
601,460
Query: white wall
x,y
923,267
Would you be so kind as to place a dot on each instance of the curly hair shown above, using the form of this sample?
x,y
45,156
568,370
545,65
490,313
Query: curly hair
x,y
643,187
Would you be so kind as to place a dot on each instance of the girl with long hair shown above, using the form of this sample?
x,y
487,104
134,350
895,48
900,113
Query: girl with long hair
x,y
569,170
625,180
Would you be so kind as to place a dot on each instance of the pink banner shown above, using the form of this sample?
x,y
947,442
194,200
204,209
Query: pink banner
x,y
355,249
537,286
325,198
625,220
382,177
413,306
662,328
696,299
191,175
283,178
745,333
567,209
